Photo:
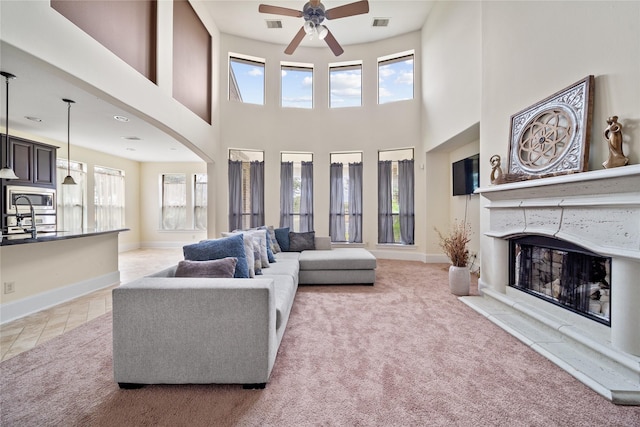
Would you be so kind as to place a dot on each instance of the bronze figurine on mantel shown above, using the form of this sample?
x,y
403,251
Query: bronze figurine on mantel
x,y
613,134
498,177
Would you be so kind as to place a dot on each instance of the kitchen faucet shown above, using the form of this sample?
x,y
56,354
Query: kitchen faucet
x,y
20,217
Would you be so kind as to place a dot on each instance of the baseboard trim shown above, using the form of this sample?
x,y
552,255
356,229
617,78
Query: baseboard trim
x,y
23,307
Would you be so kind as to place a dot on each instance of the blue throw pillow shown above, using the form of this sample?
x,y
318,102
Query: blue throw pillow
x,y
232,246
282,236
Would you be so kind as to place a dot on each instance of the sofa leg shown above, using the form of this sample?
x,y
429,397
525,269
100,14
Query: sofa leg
x,y
130,386
258,386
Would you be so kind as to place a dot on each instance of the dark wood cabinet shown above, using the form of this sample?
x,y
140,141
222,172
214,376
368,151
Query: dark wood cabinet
x,y
34,163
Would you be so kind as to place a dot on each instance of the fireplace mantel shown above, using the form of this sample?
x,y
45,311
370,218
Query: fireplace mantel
x,y
598,210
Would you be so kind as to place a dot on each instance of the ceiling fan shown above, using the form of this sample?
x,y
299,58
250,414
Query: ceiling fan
x,y
314,14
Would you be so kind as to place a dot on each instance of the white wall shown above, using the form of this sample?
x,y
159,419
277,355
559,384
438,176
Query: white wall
x,y
322,130
451,83
531,50
34,27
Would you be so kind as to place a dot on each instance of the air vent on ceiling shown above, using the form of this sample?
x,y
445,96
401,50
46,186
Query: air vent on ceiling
x,y
274,23
380,22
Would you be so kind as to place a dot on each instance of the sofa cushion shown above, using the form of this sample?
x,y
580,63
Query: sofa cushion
x,y
285,267
232,246
220,268
282,236
338,259
285,292
299,242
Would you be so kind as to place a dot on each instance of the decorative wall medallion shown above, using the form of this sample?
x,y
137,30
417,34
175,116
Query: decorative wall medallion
x,y
552,137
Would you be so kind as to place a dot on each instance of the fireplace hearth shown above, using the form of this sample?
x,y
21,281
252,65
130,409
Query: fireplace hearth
x,y
563,274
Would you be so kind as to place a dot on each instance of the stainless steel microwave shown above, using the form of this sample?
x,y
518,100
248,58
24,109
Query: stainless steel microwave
x,y
43,200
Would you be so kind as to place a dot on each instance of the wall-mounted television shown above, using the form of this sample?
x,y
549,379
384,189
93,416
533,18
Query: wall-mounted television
x,y
466,175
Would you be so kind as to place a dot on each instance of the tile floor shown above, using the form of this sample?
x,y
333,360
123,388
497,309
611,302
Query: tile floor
x,y
25,333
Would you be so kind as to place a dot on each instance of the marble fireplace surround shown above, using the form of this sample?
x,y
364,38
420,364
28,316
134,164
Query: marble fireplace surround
x,y
599,211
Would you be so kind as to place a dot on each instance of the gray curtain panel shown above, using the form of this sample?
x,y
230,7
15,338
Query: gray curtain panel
x,y
235,195
385,209
336,203
355,202
256,177
405,196
286,194
306,197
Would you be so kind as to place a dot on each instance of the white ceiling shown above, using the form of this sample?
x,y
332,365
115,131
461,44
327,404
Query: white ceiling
x,y
39,89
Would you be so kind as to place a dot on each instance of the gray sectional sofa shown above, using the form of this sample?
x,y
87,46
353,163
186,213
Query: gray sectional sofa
x,y
170,330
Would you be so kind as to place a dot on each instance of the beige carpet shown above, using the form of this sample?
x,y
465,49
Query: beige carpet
x,y
402,353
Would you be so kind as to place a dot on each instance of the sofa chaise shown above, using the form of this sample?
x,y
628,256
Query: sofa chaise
x,y
187,330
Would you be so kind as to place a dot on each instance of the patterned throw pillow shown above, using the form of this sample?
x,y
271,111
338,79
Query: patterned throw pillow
x,y
299,242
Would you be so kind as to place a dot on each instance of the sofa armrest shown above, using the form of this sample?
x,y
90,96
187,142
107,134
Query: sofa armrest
x,y
322,243
194,330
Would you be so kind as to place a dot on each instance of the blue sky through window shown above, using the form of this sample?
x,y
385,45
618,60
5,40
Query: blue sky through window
x,y
395,80
297,87
250,79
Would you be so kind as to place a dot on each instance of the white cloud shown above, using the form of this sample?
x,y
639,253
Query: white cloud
x,y
308,81
346,84
283,73
255,72
405,78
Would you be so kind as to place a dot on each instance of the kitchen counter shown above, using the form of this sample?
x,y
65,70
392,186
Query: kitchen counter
x,y
25,238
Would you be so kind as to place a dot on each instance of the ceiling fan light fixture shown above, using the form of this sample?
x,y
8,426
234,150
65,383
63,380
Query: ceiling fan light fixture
x,y
309,28
322,31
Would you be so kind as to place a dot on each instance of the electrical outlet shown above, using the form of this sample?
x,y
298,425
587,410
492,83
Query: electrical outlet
x,y
9,287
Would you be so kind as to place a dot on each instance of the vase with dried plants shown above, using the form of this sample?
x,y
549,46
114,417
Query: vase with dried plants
x,y
454,244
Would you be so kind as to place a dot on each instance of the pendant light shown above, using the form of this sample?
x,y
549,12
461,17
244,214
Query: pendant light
x,y
68,180
7,172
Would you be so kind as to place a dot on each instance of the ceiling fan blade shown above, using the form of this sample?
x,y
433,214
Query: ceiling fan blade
x,y
277,10
357,8
333,44
295,42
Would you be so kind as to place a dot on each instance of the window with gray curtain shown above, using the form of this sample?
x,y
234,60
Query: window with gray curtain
x,y
336,204
306,197
286,195
235,195
396,215
355,202
296,198
256,176
345,205
246,189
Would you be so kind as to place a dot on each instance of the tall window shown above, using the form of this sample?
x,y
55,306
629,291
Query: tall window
x,y
297,86
395,196
296,191
246,80
200,201
395,78
72,199
345,85
345,207
246,189
109,198
174,201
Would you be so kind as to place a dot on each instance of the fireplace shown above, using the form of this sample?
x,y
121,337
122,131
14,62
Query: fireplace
x,y
563,274
561,271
